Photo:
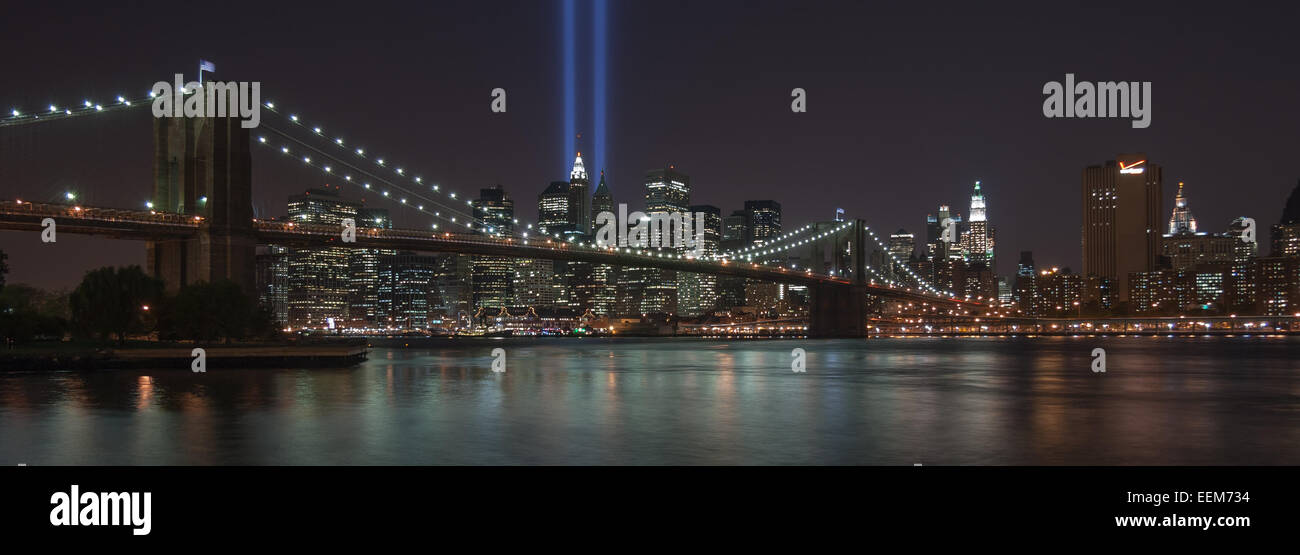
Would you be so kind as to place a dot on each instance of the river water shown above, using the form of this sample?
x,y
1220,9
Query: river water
x,y
932,401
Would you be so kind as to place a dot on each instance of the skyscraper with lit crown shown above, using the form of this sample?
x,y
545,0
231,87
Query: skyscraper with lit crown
x,y
1182,220
580,198
977,243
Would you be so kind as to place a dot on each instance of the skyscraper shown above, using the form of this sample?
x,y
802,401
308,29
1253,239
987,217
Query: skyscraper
x,y
735,231
364,266
902,244
491,277
1182,220
763,218
1024,285
666,191
1121,219
945,256
1241,274
405,283
319,278
698,293
977,243
579,198
603,282
601,200
272,280
1286,234
553,210
496,210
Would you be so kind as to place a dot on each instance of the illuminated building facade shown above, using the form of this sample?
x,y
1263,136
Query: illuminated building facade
x,y
763,220
364,266
492,277
1120,216
666,191
698,293
977,242
604,277
319,278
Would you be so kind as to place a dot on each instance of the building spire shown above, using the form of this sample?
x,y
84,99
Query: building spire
x,y
1182,220
579,171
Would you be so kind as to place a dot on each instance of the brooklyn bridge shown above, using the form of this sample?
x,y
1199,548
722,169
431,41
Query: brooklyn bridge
x,y
200,226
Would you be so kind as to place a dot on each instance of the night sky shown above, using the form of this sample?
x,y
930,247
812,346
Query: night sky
x,y
906,109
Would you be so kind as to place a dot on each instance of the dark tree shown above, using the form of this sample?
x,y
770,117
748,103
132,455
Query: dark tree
x,y
210,311
28,313
114,301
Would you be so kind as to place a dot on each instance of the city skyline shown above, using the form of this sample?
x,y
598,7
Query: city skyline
x,y
1235,157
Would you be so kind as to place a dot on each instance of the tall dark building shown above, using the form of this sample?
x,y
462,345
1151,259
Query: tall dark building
x,y
365,267
1286,234
272,275
496,210
319,278
763,218
553,210
604,277
601,200
944,255
1024,284
1026,264
667,190
698,293
579,198
491,277
1121,219
406,281
934,245
652,290
735,227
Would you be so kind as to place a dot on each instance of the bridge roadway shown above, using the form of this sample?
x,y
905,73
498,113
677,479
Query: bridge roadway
x,y
151,225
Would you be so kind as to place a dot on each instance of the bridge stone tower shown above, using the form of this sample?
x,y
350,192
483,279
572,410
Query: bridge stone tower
x,y
840,310
202,166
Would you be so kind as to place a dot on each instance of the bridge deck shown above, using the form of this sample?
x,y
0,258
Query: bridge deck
x,y
153,225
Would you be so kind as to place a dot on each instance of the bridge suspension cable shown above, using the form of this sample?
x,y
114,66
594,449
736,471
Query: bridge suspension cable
x,y
324,162
899,264
456,215
395,172
56,112
738,253
748,253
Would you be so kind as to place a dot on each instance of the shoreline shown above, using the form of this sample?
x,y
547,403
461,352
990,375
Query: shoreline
x,y
72,357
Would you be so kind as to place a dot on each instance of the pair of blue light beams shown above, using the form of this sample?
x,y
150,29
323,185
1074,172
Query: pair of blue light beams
x,y
596,158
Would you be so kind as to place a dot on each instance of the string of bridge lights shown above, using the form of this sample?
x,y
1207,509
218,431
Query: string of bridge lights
x,y
898,264
749,253
321,164
740,252
325,168
56,112
764,250
396,171
364,177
